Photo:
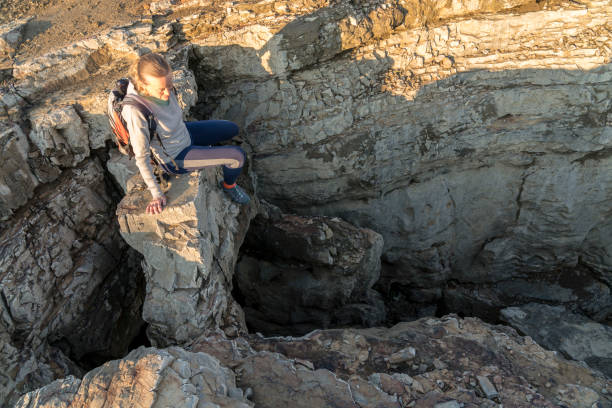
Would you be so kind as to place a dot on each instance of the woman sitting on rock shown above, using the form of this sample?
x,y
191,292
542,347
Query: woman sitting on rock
x,y
181,147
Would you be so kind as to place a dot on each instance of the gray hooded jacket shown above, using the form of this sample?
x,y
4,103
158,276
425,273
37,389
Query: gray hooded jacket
x,y
171,129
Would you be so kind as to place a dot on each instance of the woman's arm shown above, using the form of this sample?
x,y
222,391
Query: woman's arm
x,y
139,139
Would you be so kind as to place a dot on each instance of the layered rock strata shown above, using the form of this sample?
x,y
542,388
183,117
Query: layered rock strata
x,y
189,250
474,136
297,274
410,118
478,146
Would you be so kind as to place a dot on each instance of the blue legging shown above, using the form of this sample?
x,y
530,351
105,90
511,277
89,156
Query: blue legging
x,y
201,153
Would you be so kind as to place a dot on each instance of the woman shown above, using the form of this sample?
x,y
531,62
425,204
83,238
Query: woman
x,y
181,147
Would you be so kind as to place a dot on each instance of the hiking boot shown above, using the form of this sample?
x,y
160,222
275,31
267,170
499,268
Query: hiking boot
x,y
236,193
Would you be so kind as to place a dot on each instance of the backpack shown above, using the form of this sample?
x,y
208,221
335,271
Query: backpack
x,y
117,99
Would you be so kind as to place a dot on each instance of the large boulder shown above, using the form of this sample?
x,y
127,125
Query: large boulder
x,y
189,250
146,377
556,328
300,273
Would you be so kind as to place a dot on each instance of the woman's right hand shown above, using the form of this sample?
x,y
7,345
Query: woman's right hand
x,y
156,205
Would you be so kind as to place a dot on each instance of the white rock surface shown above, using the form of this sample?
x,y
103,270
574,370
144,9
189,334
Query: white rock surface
x,y
11,35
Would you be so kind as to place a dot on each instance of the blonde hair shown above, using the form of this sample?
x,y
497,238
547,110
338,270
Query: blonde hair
x,y
152,64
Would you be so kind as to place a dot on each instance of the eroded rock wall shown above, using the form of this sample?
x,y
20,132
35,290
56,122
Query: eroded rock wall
x,y
478,146
67,280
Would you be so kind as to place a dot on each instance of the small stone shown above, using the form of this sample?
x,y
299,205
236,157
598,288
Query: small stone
x,y
488,388
248,393
417,386
440,365
448,404
304,363
402,356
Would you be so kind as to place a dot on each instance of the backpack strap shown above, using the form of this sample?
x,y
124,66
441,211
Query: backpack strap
x,y
135,101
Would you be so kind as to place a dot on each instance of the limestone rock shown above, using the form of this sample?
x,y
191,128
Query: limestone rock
x,y
451,354
289,384
61,135
478,147
65,276
25,369
146,377
83,59
11,35
17,182
556,328
474,136
301,273
190,250
122,168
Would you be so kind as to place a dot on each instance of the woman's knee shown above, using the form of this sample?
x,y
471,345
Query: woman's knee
x,y
238,155
232,128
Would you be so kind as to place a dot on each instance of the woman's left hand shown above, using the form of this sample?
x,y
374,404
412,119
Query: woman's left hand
x,y
156,205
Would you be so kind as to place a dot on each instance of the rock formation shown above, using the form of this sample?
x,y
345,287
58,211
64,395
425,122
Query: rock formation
x,y
441,363
145,378
67,280
555,328
298,274
190,250
478,147
417,364
474,137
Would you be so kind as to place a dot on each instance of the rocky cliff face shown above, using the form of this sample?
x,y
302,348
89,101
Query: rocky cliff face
x,y
478,147
462,146
443,363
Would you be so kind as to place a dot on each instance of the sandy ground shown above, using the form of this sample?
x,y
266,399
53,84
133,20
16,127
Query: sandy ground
x,y
59,22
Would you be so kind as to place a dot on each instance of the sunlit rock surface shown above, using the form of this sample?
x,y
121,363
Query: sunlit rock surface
x,y
189,250
146,377
478,147
473,136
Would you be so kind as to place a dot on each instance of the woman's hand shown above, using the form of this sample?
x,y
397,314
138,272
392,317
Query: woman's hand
x,y
156,205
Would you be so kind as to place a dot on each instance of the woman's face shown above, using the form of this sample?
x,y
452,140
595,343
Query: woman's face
x,y
157,87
